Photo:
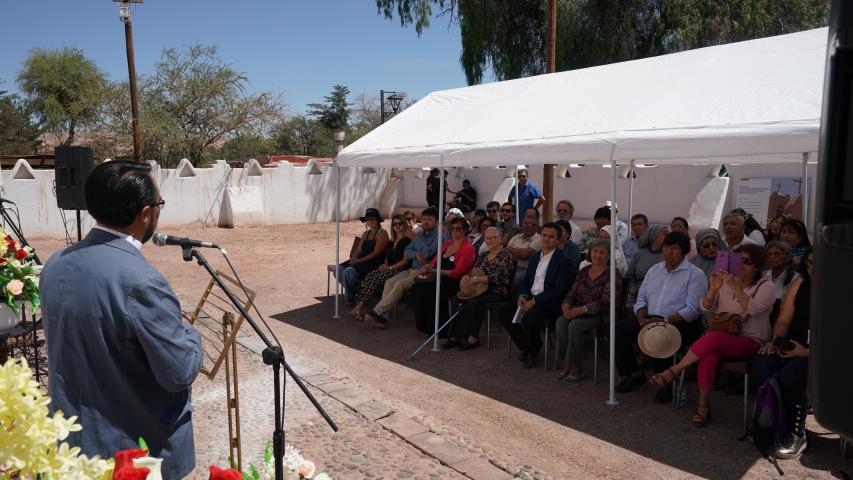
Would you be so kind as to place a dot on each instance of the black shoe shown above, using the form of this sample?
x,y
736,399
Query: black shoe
x,y
630,382
465,346
452,343
522,357
530,362
664,395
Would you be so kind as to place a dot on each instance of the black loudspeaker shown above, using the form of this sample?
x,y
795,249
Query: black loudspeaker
x,y
72,165
831,355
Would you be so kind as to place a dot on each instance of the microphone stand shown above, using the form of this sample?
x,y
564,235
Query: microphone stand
x,y
272,355
16,229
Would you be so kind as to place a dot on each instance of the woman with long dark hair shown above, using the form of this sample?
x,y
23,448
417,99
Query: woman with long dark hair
x,y
395,262
794,233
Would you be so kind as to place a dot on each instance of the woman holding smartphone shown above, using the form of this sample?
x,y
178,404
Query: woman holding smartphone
x,y
747,295
787,356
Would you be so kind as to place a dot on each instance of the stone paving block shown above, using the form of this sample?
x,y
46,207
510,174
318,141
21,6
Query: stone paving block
x,y
304,370
440,448
333,386
373,409
402,426
350,396
481,469
318,379
252,343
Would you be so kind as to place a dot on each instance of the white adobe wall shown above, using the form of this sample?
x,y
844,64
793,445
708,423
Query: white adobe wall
x,y
288,194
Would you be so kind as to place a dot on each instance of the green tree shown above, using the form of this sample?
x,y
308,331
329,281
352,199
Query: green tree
x,y
189,108
302,136
18,134
63,89
508,36
334,112
248,144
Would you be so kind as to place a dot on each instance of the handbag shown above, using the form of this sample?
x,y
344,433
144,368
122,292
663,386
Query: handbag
x,y
729,322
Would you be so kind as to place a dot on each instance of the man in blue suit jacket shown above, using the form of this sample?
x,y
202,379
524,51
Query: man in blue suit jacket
x,y
540,294
120,358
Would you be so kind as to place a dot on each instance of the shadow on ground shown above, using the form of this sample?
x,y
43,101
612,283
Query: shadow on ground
x,y
655,431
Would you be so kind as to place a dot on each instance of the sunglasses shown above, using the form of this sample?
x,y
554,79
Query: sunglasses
x,y
161,204
710,244
747,261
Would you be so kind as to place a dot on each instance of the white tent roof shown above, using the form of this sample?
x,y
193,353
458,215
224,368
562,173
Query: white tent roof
x,y
759,99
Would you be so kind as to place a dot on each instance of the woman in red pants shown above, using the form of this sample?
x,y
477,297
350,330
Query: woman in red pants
x,y
748,295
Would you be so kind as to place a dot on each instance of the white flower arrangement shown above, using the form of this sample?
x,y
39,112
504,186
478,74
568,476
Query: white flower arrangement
x,y
296,467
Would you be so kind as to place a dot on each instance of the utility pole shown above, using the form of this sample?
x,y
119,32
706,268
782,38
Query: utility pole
x,y
548,170
124,15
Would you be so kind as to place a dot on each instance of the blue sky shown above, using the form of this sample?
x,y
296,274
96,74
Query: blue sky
x,y
300,48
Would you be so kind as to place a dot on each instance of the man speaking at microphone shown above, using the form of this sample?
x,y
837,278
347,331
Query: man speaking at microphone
x,y
120,358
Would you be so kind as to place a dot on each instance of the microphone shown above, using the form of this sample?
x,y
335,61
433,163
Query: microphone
x,y
3,200
161,240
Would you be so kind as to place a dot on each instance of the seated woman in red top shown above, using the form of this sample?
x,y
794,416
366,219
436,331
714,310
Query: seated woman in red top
x,y
457,259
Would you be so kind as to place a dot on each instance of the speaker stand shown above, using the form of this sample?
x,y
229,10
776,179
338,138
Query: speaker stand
x,y
79,232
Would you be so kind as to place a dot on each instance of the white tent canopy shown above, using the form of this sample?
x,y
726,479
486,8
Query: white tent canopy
x,y
759,99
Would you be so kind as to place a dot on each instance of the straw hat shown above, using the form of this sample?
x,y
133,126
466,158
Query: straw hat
x,y
468,290
659,340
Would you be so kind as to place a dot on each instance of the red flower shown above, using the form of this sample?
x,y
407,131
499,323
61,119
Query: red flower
x,y
217,473
10,244
130,473
124,458
21,254
2,260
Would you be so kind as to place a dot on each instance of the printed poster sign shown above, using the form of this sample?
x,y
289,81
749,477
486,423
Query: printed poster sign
x,y
766,198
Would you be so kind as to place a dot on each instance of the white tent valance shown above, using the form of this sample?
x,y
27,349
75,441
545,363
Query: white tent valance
x,y
759,99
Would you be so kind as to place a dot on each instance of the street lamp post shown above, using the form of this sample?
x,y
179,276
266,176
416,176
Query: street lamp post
x,y
124,15
393,99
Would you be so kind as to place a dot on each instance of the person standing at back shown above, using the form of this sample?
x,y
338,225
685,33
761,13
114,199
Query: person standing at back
x,y
120,358
529,195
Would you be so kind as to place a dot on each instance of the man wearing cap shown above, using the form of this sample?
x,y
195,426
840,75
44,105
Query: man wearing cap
x,y
420,251
670,293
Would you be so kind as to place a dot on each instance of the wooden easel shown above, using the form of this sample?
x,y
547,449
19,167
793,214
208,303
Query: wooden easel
x,y
214,319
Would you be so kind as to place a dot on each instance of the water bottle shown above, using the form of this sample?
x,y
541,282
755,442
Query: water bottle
x,y
682,397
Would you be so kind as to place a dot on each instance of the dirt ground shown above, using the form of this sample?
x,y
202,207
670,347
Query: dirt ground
x,y
526,416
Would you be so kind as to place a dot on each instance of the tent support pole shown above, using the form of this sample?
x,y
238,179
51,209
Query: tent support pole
x,y
630,193
611,400
441,200
806,188
337,233
517,206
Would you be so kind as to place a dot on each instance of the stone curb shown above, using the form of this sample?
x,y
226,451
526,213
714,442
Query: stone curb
x,y
410,431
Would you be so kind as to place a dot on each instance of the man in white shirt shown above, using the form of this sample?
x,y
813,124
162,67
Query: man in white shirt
x,y
523,245
565,211
733,230
541,292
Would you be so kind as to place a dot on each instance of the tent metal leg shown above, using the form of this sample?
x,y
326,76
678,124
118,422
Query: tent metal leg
x,y
434,336
806,188
337,233
611,400
441,200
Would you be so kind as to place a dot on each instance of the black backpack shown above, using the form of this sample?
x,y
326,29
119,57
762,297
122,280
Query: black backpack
x,y
770,420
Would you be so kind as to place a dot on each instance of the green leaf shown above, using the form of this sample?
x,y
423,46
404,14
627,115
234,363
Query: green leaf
x,y
268,452
142,444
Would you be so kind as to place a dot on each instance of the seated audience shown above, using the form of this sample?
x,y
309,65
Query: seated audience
x,y
457,259
493,210
395,262
794,234
586,306
540,293
670,292
508,226
774,229
420,251
679,224
481,245
464,199
523,246
452,214
733,230
569,248
790,367
649,254
532,213
496,264
367,256
565,211
708,242
781,271
750,297
639,224
753,230
476,235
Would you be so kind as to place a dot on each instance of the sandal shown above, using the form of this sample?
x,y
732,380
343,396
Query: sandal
x,y
701,419
661,379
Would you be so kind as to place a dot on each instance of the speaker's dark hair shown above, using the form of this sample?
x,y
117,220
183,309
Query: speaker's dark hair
x,y
116,191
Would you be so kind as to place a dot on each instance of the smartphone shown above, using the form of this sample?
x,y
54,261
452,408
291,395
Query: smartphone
x,y
728,262
783,344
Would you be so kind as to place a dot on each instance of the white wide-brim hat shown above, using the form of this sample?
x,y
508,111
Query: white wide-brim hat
x,y
659,340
